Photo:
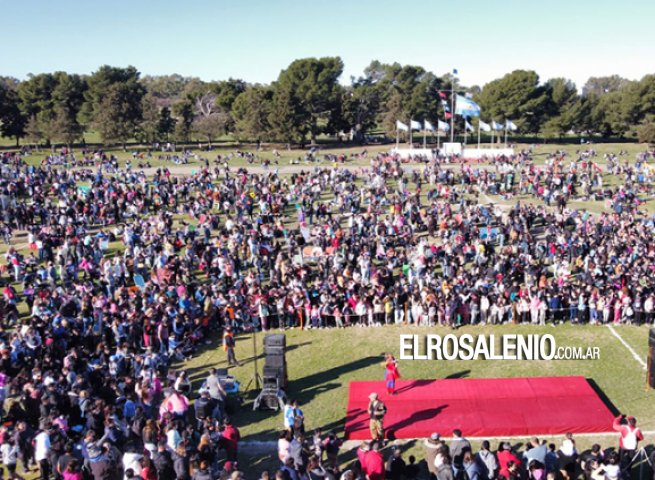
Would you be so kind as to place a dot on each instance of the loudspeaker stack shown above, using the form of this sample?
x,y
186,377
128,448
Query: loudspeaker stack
x,y
274,378
275,363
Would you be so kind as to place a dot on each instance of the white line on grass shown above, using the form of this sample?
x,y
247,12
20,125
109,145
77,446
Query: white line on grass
x,y
625,344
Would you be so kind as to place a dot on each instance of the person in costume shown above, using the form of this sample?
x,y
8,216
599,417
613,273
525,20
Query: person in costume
x,y
391,373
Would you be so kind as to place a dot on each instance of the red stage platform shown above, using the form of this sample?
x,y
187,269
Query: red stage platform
x,y
481,407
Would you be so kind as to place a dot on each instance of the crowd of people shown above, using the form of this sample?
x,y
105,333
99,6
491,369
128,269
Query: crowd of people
x,y
111,276
317,458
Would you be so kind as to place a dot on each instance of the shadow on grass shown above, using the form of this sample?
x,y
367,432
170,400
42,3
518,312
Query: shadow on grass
x,y
421,415
608,403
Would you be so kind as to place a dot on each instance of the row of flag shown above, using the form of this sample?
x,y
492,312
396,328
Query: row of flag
x,y
443,126
414,125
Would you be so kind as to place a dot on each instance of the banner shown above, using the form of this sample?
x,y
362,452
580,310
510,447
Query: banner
x,y
466,107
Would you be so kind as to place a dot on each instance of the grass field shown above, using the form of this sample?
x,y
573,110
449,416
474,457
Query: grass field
x,y
321,363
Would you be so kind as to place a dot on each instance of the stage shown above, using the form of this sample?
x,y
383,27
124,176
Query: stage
x,y
481,407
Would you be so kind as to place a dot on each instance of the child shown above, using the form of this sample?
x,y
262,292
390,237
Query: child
x,y
391,373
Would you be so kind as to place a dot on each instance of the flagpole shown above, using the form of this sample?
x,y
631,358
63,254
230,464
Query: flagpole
x,y
466,131
492,135
397,137
424,137
410,133
505,133
452,111
478,134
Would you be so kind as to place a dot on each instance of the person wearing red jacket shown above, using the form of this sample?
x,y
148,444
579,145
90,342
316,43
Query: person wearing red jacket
x,y
505,456
230,437
630,437
374,463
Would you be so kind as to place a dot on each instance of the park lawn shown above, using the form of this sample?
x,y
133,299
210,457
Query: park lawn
x,y
322,363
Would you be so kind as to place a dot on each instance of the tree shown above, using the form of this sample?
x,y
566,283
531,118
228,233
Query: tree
x,y
65,127
599,86
211,120
559,118
184,120
33,133
167,89
250,112
12,121
283,117
124,85
609,114
394,112
646,131
518,97
361,105
119,113
307,91
165,123
149,125
211,126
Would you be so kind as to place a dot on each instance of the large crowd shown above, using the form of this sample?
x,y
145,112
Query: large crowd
x,y
112,275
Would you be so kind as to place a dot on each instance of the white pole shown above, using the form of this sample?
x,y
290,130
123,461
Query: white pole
x,y
438,139
492,136
410,133
452,111
466,131
397,136
424,137
478,134
505,133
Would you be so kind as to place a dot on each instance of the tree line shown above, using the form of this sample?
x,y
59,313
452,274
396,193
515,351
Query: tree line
x,y
307,100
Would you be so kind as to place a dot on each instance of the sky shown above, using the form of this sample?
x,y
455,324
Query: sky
x,y
255,39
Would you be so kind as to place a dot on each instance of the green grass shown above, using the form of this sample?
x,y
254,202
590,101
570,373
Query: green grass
x,y
322,363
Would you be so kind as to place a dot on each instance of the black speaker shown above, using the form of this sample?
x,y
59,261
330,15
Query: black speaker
x,y
275,361
275,340
274,372
650,374
273,350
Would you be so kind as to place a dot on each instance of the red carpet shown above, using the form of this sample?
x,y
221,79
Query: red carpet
x,y
481,407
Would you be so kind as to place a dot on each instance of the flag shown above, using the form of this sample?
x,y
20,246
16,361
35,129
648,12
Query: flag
x,y
448,115
466,107
428,126
446,108
415,125
468,95
443,125
496,125
510,125
455,71
442,95
485,127
401,126
468,126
